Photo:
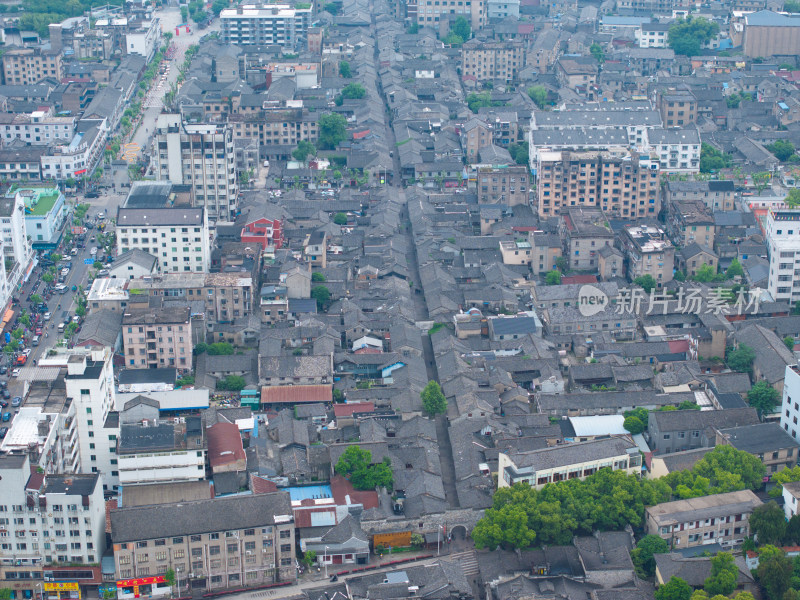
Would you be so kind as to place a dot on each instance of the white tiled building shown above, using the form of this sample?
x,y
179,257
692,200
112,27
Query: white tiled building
x,y
783,248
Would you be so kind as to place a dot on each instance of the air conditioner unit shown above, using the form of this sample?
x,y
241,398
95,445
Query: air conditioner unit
x,y
248,552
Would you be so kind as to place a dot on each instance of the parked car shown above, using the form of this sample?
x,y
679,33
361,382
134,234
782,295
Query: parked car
x,y
3,370
16,401
6,416
15,373
6,394
47,316
3,432
93,251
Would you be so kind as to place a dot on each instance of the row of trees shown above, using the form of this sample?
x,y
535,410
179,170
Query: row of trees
x,y
522,516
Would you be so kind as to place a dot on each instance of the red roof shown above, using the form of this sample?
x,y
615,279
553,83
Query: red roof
x,y
678,346
224,444
342,488
578,279
302,516
259,485
525,28
35,482
347,410
292,394
368,350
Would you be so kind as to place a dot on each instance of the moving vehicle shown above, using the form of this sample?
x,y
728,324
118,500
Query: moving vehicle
x,y
3,432
47,316
74,252
6,416
35,341
26,352
15,373
93,251
6,395
16,401
21,360
61,328
92,194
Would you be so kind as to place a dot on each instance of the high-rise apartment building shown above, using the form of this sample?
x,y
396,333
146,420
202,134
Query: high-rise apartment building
x,y
24,66
429,13
157,338
485,59
624,185
202,156
252,25
17,250
783,250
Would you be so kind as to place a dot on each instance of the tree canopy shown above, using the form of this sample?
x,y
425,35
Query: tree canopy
x,y
344,69
538,93
356,464
552,278
643,556
712,160
774,571
675,589
322,295
304,150
768,523
687,36
782,149
741,359
461,28
724,573
724,469
785,475
763,397
433,400
633,424
332,130
646,282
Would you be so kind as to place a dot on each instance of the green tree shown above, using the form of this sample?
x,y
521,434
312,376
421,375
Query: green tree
x,y
639,413
791,6
332,130
741,359
785,475
413,29
724,573
675,589
596,50
705,274
461,28
36,299
519,152
218,5
340,218
303,151
634,425
169,577
712,160
643,555
789,341
733,100
768,523
724,469
232,383
763,397
646,282
433,400
782,149
538,93
6,593
735,269
322,295
356,464
792,199
317,277
791,538
344,69
774,571
352,91
688,36
309,558
552,278
220,349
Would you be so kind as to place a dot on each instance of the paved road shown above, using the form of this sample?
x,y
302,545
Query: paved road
x,y
153,102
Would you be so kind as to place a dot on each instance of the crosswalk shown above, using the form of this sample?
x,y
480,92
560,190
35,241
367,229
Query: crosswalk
x,y
467,560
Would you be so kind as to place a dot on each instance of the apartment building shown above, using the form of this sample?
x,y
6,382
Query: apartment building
x,y
648,7
25,66
648,251
677,149
90,384
653,35
678,106
226,296
579,460
782,230
768,442
585,232
624,186
143,38
274,303
76,34
38,128
49,520
545,250
429,13
679,430
233,542
717,519
253,25
285,127
178,237
497,10
790,401
202,156
716,195
507,184
157,338
151,451
490,60
47,433
78,157
17,249
516,252
45,213
19,162
578,73
691,222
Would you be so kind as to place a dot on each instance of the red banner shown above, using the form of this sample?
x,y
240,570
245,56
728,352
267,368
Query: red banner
x,y
141,581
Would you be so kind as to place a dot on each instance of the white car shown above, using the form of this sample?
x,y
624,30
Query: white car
x,y
65,271
46,316
27,352
15,373
93,251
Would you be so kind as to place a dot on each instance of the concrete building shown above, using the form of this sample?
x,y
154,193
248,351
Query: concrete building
x,y
150,451
648,251
178,237
568,461
766,441
45,213
17,249
716,195
230,542
145,39
79,157
790,403
503,185
654,34
717,519
426,13
678,106
252,25
90,384
49,520
489,60
133,265
624,186
202,156
791,496
516,252
782,230
690,222
768,33
38,128
677,149
545,249
108,294
585,232
25,66
497,10
157,338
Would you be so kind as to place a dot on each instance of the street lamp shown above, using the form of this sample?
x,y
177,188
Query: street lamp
x,y
325,561
438,537
41,593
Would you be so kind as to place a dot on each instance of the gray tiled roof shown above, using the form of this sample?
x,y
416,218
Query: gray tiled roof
x,y
570,454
